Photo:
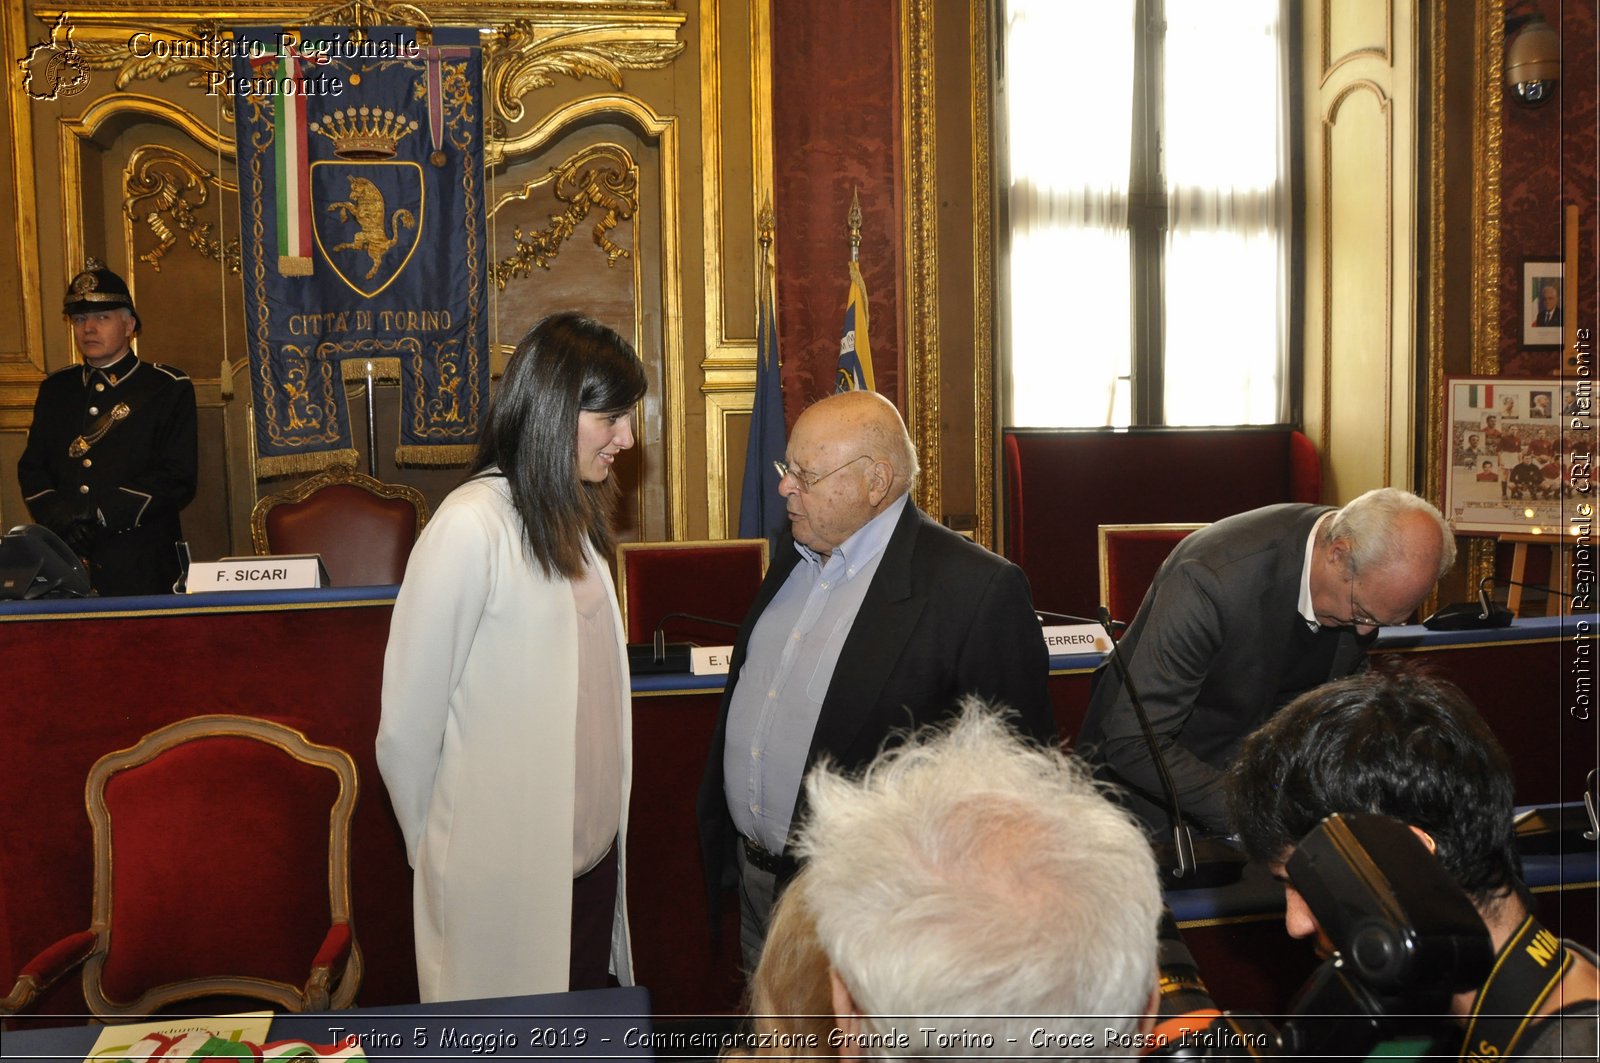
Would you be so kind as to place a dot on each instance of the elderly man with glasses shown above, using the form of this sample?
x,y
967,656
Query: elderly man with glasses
x,y
873,619
1243,616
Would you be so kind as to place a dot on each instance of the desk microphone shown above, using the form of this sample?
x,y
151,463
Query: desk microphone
x,y
181,584
1529,586
1045,614
1223,862
1483,613
659,655
1182,840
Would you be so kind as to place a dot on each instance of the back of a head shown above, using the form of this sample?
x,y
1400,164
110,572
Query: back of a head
x,y
1401,745
968,873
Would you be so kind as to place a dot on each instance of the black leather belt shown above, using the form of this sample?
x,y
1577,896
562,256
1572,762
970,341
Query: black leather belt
x,y
782,866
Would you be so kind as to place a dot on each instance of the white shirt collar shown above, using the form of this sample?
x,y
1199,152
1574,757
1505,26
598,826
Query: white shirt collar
x,y
866,543
1308,611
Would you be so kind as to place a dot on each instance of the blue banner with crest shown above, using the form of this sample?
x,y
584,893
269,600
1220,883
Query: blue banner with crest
x,y
361,195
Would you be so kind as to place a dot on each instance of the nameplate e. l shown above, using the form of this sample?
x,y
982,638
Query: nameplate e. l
x,y
281,572
709,660
1076,638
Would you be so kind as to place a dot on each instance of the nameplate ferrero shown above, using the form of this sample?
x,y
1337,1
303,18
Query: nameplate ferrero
x,y
281,572
1076,638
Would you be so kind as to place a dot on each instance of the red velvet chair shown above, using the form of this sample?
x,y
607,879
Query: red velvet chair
x,y
221,870
717,579
1130,554
363,528
1059,484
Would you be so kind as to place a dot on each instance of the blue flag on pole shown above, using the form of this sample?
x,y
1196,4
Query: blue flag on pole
x,y
855,353
761,508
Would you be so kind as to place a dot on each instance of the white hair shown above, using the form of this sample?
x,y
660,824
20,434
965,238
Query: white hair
x,y
986,885
1370,525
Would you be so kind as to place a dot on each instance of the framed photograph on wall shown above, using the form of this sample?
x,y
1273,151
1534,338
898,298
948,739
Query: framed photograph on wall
x,y
1542,296
1506,467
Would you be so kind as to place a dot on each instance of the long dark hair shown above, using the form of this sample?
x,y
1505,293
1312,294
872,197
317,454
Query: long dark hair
x,y
566,363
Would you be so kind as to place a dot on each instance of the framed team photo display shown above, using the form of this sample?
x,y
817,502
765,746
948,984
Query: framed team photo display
x,y
1542,296
1507,469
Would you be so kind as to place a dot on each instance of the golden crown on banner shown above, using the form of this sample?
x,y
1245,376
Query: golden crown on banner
x,y
364,132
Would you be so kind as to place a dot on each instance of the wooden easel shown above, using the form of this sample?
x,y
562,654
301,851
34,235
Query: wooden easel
x,y
1560,567
1560,561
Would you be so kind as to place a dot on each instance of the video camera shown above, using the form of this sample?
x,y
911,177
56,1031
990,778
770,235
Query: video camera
x,y
1404,936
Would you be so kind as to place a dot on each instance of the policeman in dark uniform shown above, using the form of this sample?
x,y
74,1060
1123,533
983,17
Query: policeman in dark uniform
x,y
112,453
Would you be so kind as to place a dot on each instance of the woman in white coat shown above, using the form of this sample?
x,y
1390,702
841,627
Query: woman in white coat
x,y
505,740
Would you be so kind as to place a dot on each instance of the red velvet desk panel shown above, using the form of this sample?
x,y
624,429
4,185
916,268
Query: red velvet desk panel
x,y
674,953
81,684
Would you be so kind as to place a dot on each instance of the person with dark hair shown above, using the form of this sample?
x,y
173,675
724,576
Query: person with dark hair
x,y
1412,748
112,454
505,738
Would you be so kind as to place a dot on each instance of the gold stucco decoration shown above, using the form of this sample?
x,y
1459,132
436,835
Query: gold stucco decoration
x,y
601,179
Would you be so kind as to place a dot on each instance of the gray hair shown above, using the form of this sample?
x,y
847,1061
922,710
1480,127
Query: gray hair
x,y
902,453
1371,526
970,873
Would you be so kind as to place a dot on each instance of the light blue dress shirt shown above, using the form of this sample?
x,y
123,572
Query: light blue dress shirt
x,y
785,676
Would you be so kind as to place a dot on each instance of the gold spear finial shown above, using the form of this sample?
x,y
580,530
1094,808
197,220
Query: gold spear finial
x,y
853,219
765,224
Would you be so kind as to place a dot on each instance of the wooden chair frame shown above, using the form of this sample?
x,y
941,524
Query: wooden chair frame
x,y
334,474
315,995
1104,559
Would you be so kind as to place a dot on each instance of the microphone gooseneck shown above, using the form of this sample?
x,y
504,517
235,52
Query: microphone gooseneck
x,y
1182,840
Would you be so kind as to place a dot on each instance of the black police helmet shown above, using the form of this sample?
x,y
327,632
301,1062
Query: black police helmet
x,y
97,288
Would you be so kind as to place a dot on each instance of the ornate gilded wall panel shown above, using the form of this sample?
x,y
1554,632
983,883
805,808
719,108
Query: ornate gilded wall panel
x,y
137,165
727,430
736,152
1361,205
922,246
21,353
577,219
1357,284
985,442
1356,29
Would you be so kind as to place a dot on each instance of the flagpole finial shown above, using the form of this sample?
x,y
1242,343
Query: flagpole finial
x,y
853,219
766,223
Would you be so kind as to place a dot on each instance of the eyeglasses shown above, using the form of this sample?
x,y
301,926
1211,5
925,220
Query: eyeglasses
x,y
806,481
1358,616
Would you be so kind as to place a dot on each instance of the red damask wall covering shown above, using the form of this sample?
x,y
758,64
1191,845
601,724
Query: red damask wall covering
x,y
1548,160
836,128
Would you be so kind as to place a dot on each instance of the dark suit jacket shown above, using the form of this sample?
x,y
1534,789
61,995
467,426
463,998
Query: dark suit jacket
x,y
943,618
1208,653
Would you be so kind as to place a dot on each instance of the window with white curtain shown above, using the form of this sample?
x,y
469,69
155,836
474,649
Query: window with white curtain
x,y
1147,144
